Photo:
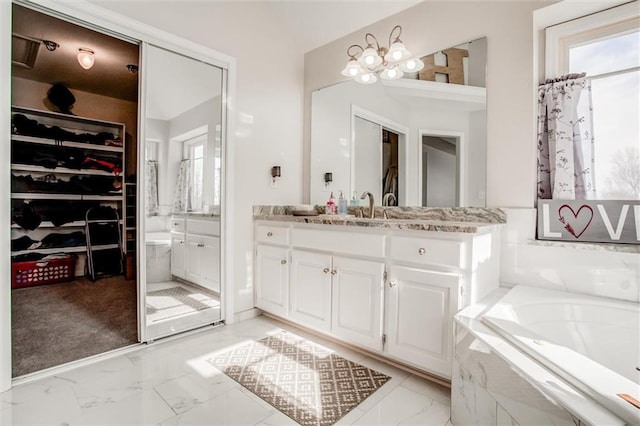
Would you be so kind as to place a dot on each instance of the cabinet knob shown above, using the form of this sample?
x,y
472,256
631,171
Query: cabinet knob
x,y
333,272
326,270
421,251
200,245
283,262
269,234
392,284
181,241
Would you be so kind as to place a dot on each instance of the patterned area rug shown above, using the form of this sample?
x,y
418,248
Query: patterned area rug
x,y
175,301
305,381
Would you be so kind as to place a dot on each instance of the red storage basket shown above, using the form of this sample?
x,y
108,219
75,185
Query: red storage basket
x,y
39,272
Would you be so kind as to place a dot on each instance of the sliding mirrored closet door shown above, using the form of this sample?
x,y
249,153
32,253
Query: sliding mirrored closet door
x,y
181,159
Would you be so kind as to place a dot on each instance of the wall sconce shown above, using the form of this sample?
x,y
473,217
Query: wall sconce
x,y
328,178
86,58
275,175
390,63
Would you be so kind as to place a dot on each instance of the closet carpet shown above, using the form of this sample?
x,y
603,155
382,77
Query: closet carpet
x,y
58,323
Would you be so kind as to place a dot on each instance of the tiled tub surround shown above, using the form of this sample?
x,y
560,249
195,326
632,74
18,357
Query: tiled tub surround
x,y
607,270
496,383
391,290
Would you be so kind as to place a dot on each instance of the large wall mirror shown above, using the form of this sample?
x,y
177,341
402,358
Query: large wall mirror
x,y
183,167
417,141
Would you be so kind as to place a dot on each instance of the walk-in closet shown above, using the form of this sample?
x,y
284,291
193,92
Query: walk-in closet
x,y
117,198
73,191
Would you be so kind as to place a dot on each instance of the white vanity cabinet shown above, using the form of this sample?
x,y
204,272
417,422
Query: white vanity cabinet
x,y
338,294
272,279
393,292
195,251
420,308
310,289
202,267
178,255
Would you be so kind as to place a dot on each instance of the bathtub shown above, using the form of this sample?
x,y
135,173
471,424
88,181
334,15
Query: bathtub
x,y
591,342
158,247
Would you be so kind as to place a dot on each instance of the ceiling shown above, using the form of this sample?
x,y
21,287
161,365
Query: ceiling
x,y
314,23
109,75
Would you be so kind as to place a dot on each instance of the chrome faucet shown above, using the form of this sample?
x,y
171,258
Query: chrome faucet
x,y
385,199
372,212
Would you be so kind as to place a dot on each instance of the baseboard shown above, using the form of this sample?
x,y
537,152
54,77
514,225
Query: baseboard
x,y
245,315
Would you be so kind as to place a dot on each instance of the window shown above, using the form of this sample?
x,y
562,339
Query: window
x,y
194,150
606,46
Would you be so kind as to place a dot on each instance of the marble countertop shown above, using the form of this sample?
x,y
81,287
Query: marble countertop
x,y
435,221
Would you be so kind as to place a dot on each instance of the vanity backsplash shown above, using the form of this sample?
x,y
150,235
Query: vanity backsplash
x,y
441,214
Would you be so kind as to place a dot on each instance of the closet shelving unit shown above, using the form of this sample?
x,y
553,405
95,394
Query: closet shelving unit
x,y
80,126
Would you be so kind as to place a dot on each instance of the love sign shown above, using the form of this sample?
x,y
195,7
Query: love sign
x,y
609,221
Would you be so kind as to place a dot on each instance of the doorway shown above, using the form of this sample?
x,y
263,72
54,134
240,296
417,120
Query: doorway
x,y
378,156
73,197
440,159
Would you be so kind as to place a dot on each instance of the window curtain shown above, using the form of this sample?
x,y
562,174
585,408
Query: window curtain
x,y
181,198
565,139
152,188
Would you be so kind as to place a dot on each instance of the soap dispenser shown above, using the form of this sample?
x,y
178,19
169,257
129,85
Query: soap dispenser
x,y
354,200
342,204
331,205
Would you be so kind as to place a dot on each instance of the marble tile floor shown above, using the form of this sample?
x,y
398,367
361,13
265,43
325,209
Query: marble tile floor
x,y
171,383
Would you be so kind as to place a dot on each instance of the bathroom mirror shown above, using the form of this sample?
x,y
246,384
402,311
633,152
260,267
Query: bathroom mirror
x,y
410,142
183,168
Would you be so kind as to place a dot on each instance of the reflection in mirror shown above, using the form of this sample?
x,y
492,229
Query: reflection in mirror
x,y
182,155
417,141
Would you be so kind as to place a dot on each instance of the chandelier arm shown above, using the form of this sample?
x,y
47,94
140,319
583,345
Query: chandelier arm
x,y
369,43
397,38
353,56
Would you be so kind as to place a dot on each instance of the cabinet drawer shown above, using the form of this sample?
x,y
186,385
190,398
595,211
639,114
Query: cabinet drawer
x,y
341,241
427,251
272,234
177,225
203,227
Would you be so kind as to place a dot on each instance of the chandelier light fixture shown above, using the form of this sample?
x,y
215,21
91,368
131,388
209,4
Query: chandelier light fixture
x,y
391,63
86,58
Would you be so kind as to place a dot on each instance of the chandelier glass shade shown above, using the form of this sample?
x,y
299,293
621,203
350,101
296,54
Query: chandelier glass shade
x,y
365,63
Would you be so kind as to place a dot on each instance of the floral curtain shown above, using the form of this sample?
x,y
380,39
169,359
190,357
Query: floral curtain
x,y
565,139
181,198
152,188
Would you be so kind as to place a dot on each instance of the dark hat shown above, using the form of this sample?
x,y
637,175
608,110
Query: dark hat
x,y
61,96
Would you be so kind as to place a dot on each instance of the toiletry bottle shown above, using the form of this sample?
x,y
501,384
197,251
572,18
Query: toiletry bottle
x,y
342,204
354,200
331,205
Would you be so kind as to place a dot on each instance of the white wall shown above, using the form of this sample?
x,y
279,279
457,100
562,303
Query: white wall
x,y
268,105
441,177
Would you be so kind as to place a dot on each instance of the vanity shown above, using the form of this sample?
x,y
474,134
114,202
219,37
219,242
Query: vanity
x,y
387,286
195,249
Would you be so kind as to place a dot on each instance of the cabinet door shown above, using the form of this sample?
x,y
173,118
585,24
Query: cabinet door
x,y
210,262
311,289
357,301
420,309
193,259
178,255
272,280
